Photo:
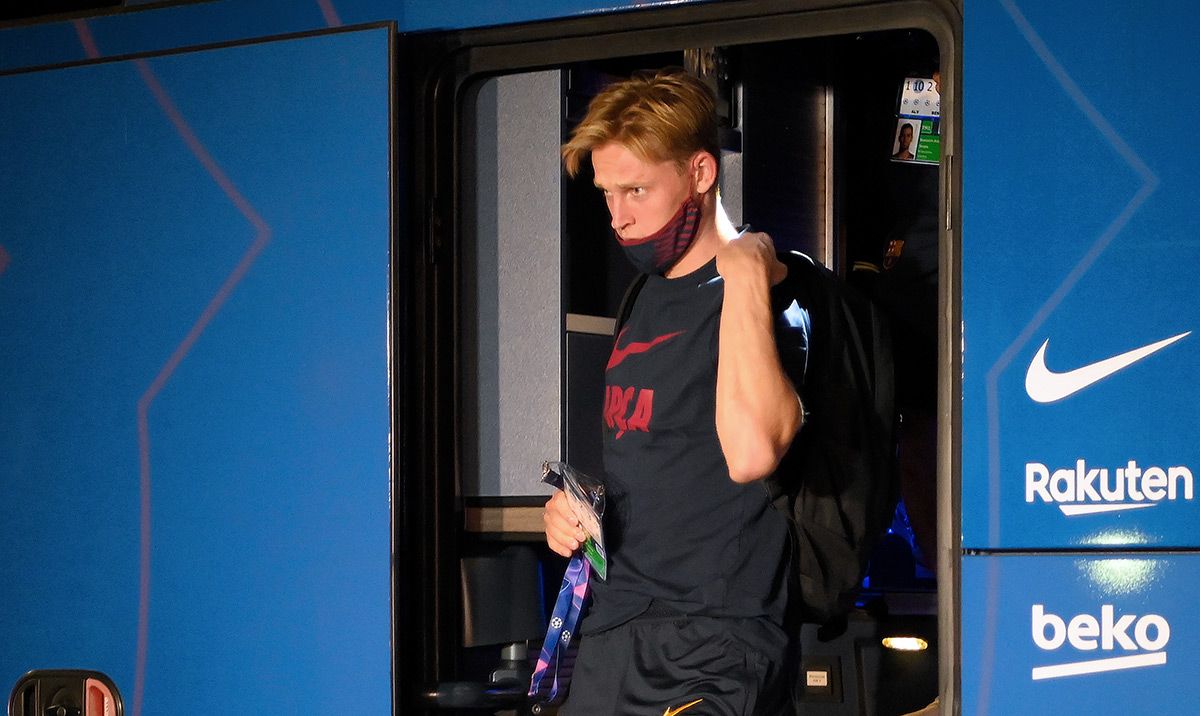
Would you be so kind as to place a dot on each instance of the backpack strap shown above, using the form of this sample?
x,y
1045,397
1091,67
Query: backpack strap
x,y
885,369
631,293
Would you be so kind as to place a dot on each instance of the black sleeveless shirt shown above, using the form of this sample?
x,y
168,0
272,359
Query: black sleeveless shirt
x,y
679,531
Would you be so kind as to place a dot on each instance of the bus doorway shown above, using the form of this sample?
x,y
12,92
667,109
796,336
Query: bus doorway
x,y
837,144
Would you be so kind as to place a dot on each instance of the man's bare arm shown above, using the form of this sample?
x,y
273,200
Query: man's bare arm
x,y
758,411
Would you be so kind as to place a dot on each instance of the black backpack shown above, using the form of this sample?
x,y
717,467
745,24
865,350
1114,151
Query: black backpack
x,y
837,484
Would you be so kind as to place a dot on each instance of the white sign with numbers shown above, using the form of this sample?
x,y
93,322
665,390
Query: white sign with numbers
x,y
920,98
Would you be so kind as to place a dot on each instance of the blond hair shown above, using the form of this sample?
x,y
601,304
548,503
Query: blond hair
x,y
667,115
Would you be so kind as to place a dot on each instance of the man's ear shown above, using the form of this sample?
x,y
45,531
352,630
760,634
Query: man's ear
x,y
703,168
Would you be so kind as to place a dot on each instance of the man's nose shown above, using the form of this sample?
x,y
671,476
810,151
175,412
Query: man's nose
x,y
621,218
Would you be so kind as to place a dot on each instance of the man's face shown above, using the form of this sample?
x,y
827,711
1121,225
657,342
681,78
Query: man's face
x,y
642,196
906,134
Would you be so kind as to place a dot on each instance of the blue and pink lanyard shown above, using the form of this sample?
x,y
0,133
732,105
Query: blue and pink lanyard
x,y
563,622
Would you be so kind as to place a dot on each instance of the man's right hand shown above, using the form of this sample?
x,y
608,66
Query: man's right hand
x,y
563,532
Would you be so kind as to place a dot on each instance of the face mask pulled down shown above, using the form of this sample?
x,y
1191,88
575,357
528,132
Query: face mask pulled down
x,y
658,252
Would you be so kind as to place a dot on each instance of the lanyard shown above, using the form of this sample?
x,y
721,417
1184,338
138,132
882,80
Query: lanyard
x,y
563,621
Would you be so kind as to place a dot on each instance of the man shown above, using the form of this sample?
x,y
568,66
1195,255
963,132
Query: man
x,y
699,411
904,141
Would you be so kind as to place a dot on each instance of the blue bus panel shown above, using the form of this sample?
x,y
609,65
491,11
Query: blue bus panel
x,y
194,392
1079,254
1070,634
185,23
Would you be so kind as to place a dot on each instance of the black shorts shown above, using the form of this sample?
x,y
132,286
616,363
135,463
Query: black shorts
x,y
679,664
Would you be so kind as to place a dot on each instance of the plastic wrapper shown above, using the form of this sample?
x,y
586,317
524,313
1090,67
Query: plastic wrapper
x,y
585,495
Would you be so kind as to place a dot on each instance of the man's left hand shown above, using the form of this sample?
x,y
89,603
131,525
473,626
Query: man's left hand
x,y
748,257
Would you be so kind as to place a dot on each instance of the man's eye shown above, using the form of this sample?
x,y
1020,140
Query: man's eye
x,y
638,190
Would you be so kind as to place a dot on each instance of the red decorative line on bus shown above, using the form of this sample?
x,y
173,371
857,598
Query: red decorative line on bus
x,y
330,13
262,236
86,40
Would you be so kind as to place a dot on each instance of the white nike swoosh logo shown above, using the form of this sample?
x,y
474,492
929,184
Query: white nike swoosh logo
x,y
1046,386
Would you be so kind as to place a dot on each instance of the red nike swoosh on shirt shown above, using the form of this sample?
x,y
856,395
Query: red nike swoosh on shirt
x,y
619,354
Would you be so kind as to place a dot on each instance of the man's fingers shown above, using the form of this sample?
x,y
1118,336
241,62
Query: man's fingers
x,y
757,242
565,531
562,535
556,538
563,544
565,516
779,271
558,547
558,524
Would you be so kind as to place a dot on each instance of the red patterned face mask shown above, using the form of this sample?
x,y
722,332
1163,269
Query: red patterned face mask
x,y
658,252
